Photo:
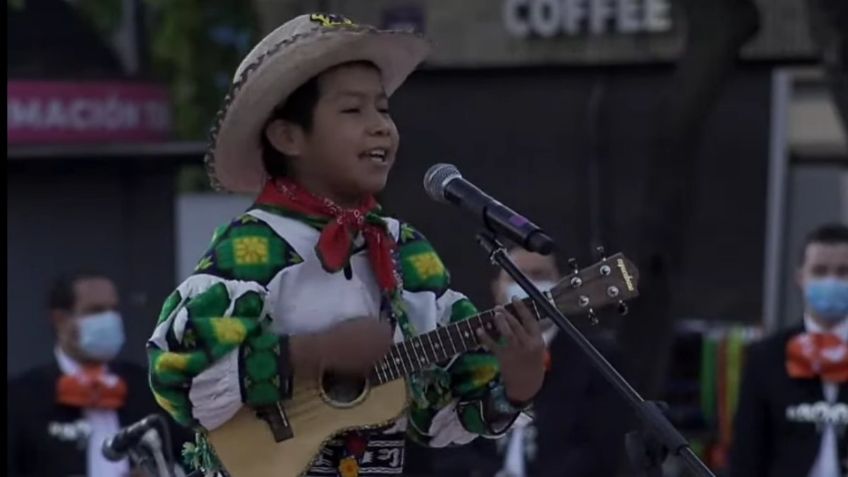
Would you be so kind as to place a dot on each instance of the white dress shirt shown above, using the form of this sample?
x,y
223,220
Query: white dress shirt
x,y
103,423
827,461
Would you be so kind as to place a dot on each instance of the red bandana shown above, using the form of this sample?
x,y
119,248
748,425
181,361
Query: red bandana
x,y
336,241
90,389
809,355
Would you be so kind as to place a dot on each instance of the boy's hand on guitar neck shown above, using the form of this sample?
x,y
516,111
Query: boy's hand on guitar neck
x,y
351,347
520,351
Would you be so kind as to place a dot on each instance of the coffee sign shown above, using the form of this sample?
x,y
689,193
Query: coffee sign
x,y
551,18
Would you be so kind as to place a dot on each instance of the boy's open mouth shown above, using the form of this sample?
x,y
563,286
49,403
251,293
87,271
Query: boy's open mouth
x,y
378,154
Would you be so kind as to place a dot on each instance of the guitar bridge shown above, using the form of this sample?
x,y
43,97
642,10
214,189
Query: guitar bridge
x,y
275,417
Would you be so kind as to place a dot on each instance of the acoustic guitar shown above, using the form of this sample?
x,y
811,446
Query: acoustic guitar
x,y
284,440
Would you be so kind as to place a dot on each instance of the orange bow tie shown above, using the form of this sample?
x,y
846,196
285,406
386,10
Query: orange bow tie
x,y
809,355
91,389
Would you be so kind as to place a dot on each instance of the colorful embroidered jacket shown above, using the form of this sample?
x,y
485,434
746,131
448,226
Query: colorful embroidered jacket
x,y
221,341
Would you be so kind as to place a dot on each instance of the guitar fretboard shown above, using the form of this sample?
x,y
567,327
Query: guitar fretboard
x,y
437,346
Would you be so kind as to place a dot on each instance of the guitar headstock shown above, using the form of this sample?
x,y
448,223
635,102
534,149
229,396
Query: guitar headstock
x,y
612,280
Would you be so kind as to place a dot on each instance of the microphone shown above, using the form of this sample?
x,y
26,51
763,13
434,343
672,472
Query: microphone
x,y
444,183
115,448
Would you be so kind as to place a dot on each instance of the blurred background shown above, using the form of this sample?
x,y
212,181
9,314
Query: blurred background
x,y
701,139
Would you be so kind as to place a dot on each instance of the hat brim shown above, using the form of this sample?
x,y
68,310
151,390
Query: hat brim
x,y
234,157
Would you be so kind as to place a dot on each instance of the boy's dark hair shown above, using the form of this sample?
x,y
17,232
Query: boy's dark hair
x,y
828,234
62,295
297,108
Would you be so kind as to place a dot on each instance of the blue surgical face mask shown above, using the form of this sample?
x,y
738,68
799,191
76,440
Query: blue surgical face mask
x,y
828,298
101,336
513,289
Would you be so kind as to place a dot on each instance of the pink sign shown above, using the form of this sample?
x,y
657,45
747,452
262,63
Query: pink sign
x,y
39,112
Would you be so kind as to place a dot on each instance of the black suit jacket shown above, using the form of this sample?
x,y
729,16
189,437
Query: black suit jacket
x,y
32,411
766,443
580,419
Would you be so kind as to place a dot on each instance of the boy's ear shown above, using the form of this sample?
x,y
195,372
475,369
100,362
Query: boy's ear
x,y
285,137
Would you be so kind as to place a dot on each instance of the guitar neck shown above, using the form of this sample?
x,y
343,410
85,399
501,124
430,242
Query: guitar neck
x,y
441,344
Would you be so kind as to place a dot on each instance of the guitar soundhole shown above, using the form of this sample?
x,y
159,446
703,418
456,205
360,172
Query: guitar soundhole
x,y
342,390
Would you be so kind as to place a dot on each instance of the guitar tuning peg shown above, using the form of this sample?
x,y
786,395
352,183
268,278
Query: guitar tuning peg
x,y
601,253
572,262
593,318
623,309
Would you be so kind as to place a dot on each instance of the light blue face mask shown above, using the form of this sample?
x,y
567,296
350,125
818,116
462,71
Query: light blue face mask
x,y
828,298
513,289
101,336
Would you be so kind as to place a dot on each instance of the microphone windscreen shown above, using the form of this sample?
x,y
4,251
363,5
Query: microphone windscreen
x,y
437,177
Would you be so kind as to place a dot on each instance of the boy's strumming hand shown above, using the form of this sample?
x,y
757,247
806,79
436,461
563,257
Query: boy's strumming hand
x,y
520,351
351,347
354,346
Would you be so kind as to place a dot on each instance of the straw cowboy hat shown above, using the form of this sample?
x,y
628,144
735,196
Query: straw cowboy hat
x,y
284,60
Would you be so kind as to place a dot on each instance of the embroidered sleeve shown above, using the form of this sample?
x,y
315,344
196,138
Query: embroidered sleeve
x,y
461,399
211,351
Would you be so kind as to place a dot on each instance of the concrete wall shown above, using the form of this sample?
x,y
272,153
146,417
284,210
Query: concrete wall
x,y
197,217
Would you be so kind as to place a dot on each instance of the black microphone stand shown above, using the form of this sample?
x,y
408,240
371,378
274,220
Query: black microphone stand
x,y
153,453
647,448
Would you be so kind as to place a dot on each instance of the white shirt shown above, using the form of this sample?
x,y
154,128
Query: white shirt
x,y
103,424
827,461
